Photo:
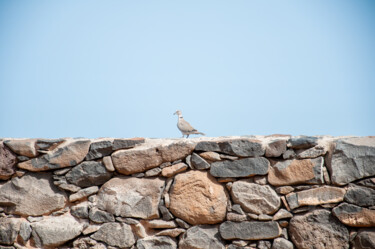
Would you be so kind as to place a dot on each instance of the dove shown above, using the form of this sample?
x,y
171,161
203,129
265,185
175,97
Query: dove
x,y
184,126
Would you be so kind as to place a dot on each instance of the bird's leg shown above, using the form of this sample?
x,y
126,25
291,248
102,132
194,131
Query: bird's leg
x,y
187,135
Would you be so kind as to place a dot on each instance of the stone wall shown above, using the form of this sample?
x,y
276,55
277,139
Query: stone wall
x,y
261,192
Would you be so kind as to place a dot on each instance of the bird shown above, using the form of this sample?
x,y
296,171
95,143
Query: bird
x,y
184,126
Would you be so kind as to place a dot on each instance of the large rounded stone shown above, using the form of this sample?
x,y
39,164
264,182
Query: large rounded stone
x,y
22,147
196,197
254,198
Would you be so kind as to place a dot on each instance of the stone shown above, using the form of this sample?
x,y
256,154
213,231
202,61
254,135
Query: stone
x,y
69,187
25,231
107,161
131,197
264,217
240,168
99,149
67,154
197,198
236,217
115,234
261,180
237,208
55,230
22,147
48,144
289,154
9,229
370,183
250,230
61,172
176,150
365,239
313,152
166,215
227,157
171,232
282,214
33,194
83,193
182,223
153,172
302,142
198,162
318,229
210,156
174,169
284,190
161,224
316,196
35,219
263,244
127,143
275,148
22,158
280,243
243,147
156,242
201,237
292,172
87,243
360,196
99,216
88,173
352,159
8,161
354,216
80,211
254,198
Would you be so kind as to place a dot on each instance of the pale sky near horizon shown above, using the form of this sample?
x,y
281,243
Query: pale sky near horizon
x,y
81,68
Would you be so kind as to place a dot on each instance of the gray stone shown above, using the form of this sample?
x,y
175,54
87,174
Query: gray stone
x,y
99,149
370,183
80,211
201,237
198,162
115,234
182,223
166,215
87,243
318,229
282,214
236,217
119,144
33,194
354,216
156,242
88,174
275,148
236,147
83,193
250,230
312,152
22,158
240,168
352,159
8,161
99,216
9,229
56,230
25,231
131,197
153,172
289,154
263,244
280,243
360,196
302,142
237,208
48,144
22,147
365,239
255,198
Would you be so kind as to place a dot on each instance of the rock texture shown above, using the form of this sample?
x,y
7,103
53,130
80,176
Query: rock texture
x,y
354,216
115,234
250,230
202,237
8,161
240,168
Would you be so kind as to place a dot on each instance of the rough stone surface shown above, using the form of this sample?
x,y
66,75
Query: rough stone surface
x,y
171,232
276,148
234,147
80,211
365,239
25,231
87,243
250,230
174,169
22,147
198,162
83,193
302,142
316,196
88,173
210,156
99,216
99,149
156,242
8,161
360,196
352,159
255,198
9,229
67,154
354,216
33,194
196,197
201,237
56,230
292,172
280,243
131,197
318,229
107,161
127,143
161,224
240,168
115,234
282,214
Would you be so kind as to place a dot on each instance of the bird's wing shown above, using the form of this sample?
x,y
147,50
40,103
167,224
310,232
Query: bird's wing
x,y
185,126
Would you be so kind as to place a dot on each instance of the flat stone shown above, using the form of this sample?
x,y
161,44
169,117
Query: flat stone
x,y
56,230
227,157
33,194
182,223
318,229
275,148
161,224
131,197
201,237
91,229
174,169
365,239
354,216
8,161
254,198
83,193
35,219
282,214
236,147
171,232
313,152
61,172
292,172
87,243
361,196
264,217
250,230
69,187
198,162
284,190
210,156
197,198
302,142
127,143
22,147
99,149
240,168
99,216
9,229
153,172
88,173
48,144
316,196
67,154
156,242
352,159
115,234
107,161
370,183
236,217
280,243
80,211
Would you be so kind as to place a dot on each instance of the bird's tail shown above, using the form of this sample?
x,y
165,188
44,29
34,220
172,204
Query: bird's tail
x,y
198,132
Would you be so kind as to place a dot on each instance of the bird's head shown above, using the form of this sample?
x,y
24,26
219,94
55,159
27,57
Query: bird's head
x,y
178,112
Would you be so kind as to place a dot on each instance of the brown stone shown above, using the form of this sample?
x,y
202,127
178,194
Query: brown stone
x,y
176,151
210,156
174,169
276,148
197,198
8,161
22,147
354,216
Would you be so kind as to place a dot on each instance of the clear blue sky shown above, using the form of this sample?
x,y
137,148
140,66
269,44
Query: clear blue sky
x,y
121,68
